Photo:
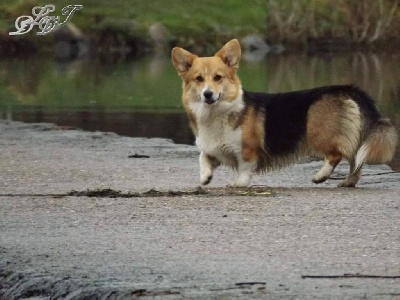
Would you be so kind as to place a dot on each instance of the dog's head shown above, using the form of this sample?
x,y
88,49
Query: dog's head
x,y
211,81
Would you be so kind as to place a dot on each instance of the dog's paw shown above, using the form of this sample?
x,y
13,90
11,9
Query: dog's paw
x,y
204,180
318,179
206,175
347,183
238,183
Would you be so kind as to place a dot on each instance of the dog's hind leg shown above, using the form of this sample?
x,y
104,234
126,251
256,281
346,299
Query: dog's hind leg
x,y
353,177
331,161
207,166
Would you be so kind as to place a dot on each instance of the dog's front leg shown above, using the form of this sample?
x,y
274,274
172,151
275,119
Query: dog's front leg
x,y
245,171
207,166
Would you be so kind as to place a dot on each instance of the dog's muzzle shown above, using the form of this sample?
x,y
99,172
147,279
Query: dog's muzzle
x,y
209,97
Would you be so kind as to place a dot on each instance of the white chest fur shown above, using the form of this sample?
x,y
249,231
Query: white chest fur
x,y
220,140
216,135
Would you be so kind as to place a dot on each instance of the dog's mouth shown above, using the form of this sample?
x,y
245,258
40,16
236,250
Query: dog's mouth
x,y
211,100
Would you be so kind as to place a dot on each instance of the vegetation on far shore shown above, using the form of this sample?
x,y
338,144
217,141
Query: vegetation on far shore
x,y
210,22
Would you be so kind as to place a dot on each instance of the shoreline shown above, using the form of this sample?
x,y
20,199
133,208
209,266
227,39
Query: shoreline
x,y
70,47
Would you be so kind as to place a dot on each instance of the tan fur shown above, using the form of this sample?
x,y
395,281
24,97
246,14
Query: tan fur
x,y
334,126
252,135
382,143
334,158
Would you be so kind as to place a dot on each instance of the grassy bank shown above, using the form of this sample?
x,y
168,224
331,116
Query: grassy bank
x,y
208,23
187,22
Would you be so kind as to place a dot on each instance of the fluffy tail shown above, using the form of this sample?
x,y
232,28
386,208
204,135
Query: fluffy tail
x,y
379,147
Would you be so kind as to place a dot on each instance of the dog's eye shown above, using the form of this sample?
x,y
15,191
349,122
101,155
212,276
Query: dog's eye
x,y
199,79
217,77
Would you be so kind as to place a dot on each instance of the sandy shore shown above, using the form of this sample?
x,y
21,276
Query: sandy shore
x,y
283,239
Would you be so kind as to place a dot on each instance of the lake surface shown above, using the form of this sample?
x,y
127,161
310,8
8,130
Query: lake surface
x,y
142,97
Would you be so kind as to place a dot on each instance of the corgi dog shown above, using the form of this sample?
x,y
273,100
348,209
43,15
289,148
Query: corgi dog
x,y
258,132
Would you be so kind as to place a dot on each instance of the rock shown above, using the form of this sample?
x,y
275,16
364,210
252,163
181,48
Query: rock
x,y
70,42
160,36
255,48
255,42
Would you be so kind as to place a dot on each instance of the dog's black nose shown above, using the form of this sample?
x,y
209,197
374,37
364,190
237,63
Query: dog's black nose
x,y
208,95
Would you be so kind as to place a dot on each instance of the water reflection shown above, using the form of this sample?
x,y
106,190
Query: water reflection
x,y
377,74
142,98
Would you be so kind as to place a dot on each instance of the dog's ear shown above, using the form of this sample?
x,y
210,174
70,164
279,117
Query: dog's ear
x,y
230,53
182,60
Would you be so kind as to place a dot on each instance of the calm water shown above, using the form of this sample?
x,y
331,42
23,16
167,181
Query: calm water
x,y
142,97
